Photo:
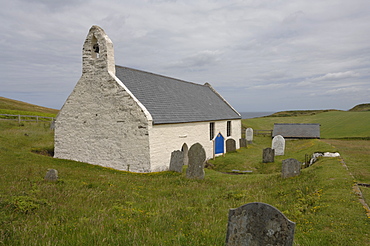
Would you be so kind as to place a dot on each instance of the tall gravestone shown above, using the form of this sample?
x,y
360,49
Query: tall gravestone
x,y
197,157
268,155
177,161
51,175
242,142
230,145
249,135
258,224
278,144
291,167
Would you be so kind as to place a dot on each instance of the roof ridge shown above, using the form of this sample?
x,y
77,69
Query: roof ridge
x,y
160,75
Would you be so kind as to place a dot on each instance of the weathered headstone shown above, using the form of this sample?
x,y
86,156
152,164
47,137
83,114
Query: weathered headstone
x,y
278,144
258,224
51,175
230,145
291,167
197,157
242,142
177,161
268,155
249,135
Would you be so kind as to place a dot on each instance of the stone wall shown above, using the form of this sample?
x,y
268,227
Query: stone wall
x,y
101,122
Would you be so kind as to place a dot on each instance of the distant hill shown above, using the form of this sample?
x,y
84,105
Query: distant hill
x,y
361,107
300,113
11,104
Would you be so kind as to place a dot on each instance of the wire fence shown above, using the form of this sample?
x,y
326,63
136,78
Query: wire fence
x,y
21,118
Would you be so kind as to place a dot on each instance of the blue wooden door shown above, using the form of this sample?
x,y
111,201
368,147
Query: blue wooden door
x,y
219,144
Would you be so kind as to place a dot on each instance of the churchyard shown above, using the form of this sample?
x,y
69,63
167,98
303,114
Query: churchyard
x,y
92,205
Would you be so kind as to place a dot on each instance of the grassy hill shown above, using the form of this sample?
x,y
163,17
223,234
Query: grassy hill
x,y
334,123
361,108
92,205
10,106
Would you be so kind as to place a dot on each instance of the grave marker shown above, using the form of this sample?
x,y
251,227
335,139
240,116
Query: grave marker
x,y
242,142
278,144
268,155
249,135
258,224
291,167
197,157
51,175
177,161
230,145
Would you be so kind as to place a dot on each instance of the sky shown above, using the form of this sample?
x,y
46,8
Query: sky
x,y
260,55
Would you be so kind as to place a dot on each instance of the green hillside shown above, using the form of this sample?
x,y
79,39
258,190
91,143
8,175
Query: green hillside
x,y
92,205
7,106
334,124
361,107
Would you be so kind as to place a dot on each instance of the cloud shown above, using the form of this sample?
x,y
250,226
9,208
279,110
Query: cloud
x,y
201,59
337,76
273,52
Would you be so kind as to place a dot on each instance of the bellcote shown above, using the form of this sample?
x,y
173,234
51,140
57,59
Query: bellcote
x,y
97,52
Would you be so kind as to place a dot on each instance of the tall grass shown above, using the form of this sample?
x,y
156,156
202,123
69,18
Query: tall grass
x,y
91,205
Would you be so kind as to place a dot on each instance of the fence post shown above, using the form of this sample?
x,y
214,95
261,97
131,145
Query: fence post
x,y
37,119
19,119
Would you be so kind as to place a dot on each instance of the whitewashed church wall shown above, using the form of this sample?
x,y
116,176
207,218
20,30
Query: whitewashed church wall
x,y
101,123
166,138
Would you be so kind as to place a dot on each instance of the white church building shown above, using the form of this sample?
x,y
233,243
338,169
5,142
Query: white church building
x,y
132,120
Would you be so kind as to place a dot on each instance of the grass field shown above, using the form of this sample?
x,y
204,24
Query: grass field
x,y
334,124
92,205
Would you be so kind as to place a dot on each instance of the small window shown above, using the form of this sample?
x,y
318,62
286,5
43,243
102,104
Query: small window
x,y
211,130
94,48
228,128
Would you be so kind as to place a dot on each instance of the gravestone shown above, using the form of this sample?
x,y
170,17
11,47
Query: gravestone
x,y
278,144
51,175
197,157
291,167
177,161
249,135
268,155
242,142
258,224
230,145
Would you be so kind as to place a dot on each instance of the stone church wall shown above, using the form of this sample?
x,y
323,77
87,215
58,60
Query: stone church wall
x,y
101,123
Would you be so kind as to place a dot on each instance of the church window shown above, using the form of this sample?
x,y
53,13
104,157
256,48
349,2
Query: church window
x,y
211,130
228,128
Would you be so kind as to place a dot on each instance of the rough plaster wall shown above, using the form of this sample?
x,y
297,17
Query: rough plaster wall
x,y
101,123
166,138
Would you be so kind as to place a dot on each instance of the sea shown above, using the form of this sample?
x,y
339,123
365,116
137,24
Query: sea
x,y
249,115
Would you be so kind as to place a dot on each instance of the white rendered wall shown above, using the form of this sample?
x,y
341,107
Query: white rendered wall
x,y
166,138
101,122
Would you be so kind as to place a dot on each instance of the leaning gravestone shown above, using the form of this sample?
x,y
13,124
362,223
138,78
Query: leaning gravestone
x,y
230,145
268,155
242,142
258,224
291,167
51,175
177,161
197,157
278,144
249,135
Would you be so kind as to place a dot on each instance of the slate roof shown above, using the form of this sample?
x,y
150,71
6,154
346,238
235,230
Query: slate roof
x,y
171,100
297,130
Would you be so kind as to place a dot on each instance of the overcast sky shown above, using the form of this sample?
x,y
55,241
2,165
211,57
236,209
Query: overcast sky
x,y
260,55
